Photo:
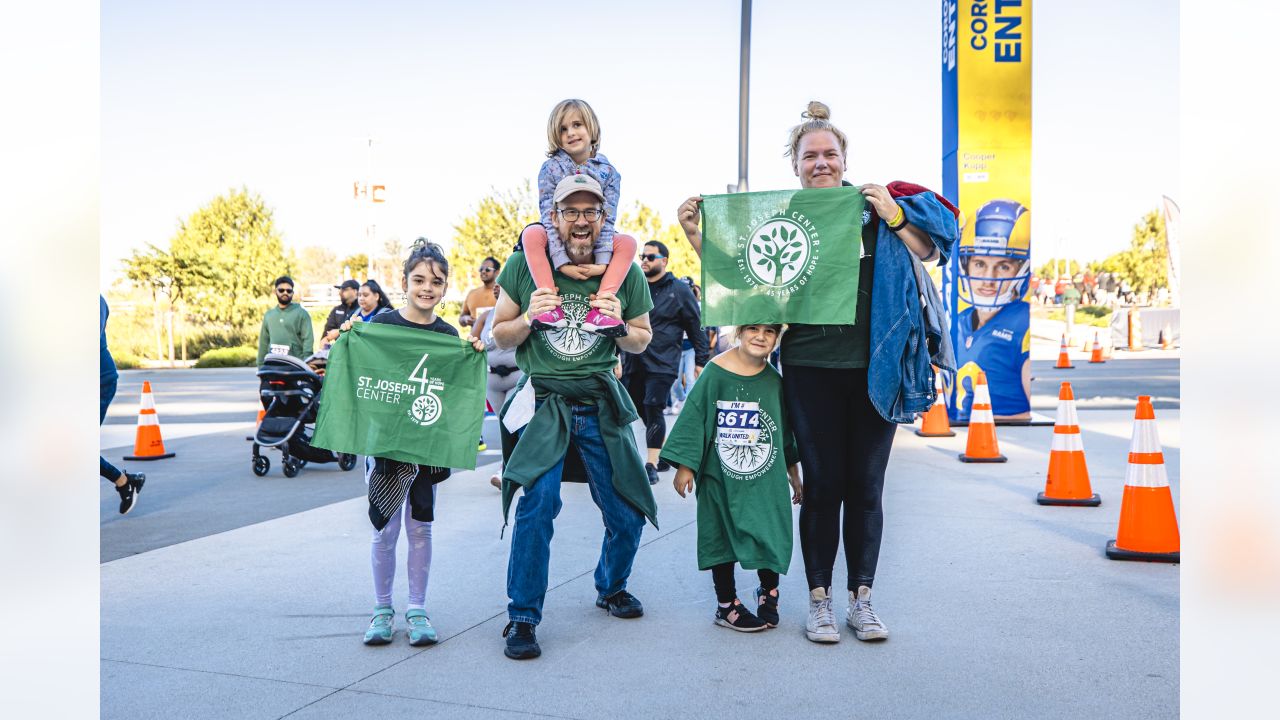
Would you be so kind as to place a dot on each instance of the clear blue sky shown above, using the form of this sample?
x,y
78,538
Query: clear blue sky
x,y
199,97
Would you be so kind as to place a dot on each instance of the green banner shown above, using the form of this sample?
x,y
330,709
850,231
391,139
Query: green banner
x,y
781,256
401,393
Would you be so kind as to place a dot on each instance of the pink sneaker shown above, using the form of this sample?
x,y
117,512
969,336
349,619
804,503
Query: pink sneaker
x,y
552,319
601,324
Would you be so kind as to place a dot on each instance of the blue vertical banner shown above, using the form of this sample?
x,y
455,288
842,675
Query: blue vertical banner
x,y
986,172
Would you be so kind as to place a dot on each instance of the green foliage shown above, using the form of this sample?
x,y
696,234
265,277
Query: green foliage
x,y
1090,315
242,356
317,265
1145,263
491,230
220,263
126,360
1050,269
357,265
645,224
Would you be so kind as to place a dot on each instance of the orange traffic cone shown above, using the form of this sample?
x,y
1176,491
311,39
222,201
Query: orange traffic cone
x,y
935,423
1068,478
1064,360
148,445
1096,355
1084,344
1166,338
981,446
261,414
1148,525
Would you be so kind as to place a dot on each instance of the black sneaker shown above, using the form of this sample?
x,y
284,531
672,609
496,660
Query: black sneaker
x,y
738,617
129,491
767,609
663,466
521,644
652,472
622,604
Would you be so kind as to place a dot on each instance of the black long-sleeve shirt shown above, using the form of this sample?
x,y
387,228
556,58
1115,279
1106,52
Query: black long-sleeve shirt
x,y
675,314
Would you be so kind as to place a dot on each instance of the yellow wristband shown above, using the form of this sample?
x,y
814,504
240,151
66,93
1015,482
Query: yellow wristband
x,y
897,220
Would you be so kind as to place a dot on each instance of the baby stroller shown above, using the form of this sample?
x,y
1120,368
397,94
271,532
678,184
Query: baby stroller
x,y
290,392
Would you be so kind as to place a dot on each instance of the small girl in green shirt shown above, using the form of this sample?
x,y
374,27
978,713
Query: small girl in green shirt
x,y
732,434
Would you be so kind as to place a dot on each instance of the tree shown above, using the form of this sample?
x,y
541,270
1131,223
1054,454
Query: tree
x,y
492,229
221,262
318,265
645,224
1050,269
1145,263
357,265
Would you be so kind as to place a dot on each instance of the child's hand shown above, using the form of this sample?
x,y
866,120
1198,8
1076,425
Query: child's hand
x,y
593,270
797,487
477,343
577,272
683,481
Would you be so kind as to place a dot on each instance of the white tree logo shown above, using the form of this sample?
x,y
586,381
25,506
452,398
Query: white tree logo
x,y
425,409
777,252
572,341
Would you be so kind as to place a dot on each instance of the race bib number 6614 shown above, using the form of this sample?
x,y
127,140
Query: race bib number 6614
x,y
737,423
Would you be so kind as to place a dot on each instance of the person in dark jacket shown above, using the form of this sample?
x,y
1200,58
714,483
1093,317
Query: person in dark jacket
x,y
649,376
342,312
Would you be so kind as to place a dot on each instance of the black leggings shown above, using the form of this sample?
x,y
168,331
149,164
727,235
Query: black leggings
x,y
649,393
844,449
726,589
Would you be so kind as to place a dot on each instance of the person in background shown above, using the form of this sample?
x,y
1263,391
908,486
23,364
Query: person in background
x,y
286,328
127,484
649,376
341,312
503,373
481,297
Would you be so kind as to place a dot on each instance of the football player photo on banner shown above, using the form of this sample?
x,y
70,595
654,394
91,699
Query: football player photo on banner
x,y
986,97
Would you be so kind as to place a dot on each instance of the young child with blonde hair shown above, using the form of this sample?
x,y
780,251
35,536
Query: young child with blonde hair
x,y
573,142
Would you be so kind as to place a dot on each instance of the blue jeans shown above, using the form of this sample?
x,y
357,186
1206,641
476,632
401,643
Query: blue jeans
x,y
684,377
536,511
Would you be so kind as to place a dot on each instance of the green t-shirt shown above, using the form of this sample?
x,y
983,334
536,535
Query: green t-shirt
x,y
570,352
838,346
733,434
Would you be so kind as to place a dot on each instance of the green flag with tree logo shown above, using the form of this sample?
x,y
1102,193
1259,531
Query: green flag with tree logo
x,y
401,393
781,256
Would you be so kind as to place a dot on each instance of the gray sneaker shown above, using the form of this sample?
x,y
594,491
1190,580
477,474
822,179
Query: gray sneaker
x,y
821,625
862,618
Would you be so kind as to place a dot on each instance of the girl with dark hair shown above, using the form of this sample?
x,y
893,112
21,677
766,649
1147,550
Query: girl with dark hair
x,y
426,279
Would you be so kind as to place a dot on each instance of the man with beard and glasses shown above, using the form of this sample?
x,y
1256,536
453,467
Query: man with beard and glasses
x,y
648,376
286,328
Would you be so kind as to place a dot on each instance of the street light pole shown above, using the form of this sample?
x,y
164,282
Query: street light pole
x,y
744,75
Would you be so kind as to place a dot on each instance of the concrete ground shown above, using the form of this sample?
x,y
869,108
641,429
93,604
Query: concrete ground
x,y
997,608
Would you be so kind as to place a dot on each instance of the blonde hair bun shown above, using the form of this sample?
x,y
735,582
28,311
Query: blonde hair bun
x,y
816,111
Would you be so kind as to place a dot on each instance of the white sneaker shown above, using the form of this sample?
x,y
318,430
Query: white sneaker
x,y
821,625
862,618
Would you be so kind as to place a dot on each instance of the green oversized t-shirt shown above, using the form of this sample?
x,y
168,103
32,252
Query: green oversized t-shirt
x,y
733,434
570,352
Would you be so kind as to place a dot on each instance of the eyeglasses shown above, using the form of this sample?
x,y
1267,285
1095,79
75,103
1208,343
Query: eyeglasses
x,y
284,291
572,214
650,257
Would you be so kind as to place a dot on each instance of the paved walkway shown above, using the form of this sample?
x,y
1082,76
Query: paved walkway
x,y
998,608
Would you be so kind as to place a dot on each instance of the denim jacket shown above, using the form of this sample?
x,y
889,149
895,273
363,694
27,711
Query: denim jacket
x,y
900,380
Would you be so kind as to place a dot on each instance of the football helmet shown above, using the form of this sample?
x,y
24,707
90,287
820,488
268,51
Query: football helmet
x,y
1001,229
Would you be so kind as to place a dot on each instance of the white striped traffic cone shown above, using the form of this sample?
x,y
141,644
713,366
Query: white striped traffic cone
x,y
981,445
935,423
1067,482
147,444
1148,525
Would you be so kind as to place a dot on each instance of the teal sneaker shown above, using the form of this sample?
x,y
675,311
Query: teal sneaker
x,y
420,630
381,627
